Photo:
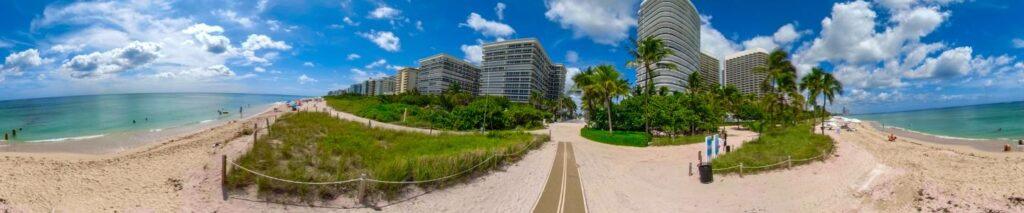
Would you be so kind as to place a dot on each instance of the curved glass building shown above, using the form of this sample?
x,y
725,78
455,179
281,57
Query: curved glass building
x,y
677,23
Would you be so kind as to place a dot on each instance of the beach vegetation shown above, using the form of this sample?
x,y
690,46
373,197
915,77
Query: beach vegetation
x,y
621,138
777,145
453,110
314,147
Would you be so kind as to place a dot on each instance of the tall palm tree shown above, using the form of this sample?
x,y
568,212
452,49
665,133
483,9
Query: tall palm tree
x,y
780,81
813,86
830,88
583,81
648,55
693,82
608,83
566,107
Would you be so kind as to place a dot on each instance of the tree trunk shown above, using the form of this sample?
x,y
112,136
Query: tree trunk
x,y
647,98
608,107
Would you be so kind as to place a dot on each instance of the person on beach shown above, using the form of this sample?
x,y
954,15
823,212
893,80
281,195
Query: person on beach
x,y
892,137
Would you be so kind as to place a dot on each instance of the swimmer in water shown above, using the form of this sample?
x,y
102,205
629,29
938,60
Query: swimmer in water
x,y
133,121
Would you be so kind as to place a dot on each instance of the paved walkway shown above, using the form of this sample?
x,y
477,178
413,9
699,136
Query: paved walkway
x,y
564,190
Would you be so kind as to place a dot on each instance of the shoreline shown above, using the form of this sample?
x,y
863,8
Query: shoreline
x,y
113,143
986,145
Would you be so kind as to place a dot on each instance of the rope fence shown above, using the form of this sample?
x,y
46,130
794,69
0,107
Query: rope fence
x,y
788,162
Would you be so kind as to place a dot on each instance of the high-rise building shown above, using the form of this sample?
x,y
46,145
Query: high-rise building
x,y
739,70
709,71
677,24
405,80
438,72
514,68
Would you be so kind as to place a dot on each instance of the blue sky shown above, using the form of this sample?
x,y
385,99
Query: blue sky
x,y
891,54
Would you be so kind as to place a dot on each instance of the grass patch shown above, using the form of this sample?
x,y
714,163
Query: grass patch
x,y
677,140
775,146
449,112
314,147
621,138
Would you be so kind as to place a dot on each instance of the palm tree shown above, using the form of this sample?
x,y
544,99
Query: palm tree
x,y
779,84
536,99
583,81
608,83
693,82
566,107
648,53
812,85
830,88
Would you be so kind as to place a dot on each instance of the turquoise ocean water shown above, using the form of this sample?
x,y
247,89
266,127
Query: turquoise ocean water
x,y
1002,121
85,117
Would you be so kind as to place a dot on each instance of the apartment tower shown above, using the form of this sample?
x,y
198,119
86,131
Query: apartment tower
x,y
405,81
710,74
439,72
677,24
514,68
739,70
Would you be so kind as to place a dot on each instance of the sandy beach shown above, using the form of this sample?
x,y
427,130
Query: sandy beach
x,y
987,145
865,174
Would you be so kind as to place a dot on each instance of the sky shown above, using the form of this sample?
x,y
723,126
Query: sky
x,y
891,55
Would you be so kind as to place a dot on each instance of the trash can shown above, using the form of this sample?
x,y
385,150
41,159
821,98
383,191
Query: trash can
x,y
706,175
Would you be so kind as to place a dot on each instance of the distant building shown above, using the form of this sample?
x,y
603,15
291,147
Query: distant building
x,y
405,80
709,70
385,86
739,70
514,68
677,24
438,72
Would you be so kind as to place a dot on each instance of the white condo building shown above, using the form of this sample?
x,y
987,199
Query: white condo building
x,y
677,24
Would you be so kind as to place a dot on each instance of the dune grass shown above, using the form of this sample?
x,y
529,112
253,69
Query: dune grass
x,y
677,140
314,147
775,146
621,138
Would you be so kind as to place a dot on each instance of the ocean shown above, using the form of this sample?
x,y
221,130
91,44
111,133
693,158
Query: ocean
x,y
1001,121
67,119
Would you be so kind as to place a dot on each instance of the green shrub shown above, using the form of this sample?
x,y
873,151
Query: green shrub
x,y
622,138
776,145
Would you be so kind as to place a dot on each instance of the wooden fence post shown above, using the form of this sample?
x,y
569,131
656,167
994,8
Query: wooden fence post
x,y
255,131
224,175
741,169
789,162
691,168
362,189
268,125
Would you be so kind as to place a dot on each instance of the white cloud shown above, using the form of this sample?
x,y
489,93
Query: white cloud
x,y
603,21
395,67
67,48
210,37
488,28
473,53
569,72
352,56
713,42
214,72
257,42
786,34
5,44
384,39
419,25
259,69
499,9
376,64
308,64
572,56
850,36
16,63
1018,43
385,12
234,17
349,21
262,5
359,75
101,64
306,79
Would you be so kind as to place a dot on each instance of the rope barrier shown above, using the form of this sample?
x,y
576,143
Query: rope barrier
x,y
776,164
292,181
